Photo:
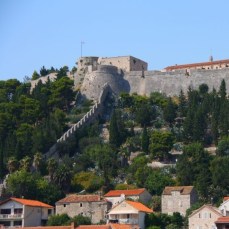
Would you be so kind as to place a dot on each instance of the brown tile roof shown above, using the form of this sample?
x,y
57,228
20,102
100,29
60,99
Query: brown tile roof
x,y
224,219
34,203
184,190
210,63
225,198
131,192
79,198
139,206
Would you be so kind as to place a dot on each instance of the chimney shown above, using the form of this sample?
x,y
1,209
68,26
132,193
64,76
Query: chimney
x,y
72,225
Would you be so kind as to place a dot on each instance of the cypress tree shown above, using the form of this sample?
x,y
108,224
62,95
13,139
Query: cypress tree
x,y
222,90
114,131
182,104
170,112
145,141
1,163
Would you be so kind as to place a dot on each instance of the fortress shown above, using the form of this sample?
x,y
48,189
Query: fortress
x,y
130,74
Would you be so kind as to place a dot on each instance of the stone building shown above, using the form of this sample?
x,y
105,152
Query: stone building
x,y
117,196
204,217
219,64
126,63
178,199
91,206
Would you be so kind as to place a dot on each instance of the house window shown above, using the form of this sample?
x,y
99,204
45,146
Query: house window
x,y
205,215
18,223
128,216
200,215
18,211
81,205
5,211
64,205
5,223
49,211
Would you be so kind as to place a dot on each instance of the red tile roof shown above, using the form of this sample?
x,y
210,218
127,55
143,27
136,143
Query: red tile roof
x,y
108,226
80,198
210,63
139,206
225,198
34,203
224,219
184,190
48,227
131,192
123,226
94,227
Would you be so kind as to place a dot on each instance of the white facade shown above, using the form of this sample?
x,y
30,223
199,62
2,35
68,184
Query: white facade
x,y
204,218
224,208
14,214
125,213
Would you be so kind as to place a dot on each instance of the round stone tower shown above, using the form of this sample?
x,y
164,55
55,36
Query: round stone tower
x,y
94,81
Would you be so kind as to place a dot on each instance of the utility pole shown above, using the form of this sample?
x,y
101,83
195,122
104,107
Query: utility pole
x,y
81,47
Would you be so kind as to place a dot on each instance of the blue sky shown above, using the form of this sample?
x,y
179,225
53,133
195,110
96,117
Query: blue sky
x,y
34,33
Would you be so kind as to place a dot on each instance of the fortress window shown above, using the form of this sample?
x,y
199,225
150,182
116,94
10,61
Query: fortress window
x,y
134,61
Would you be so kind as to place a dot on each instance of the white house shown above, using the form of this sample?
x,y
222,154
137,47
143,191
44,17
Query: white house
x,y
224,207
204,217
16,212
117,196
129,212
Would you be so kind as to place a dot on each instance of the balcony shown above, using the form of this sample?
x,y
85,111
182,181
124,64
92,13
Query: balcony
x,y
11,216
124,221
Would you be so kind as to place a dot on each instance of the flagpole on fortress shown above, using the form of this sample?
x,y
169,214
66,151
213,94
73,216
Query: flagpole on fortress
x,y
81,47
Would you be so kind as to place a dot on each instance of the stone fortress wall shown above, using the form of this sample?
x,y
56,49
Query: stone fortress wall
x,y
144,82
130,74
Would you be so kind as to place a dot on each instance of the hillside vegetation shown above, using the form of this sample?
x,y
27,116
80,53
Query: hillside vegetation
x,y
150,127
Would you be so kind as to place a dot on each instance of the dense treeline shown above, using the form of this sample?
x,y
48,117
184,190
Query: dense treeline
x,y
30,122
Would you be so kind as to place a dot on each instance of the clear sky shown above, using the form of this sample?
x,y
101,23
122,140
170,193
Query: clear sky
x,y
34,33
